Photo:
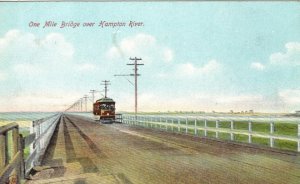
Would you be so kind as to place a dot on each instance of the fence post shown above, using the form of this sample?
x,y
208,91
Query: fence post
x,y
166,124
172,125
271,132
217,127
231,128
186,126
22,164
250,131
299,130
205,128
38,133
143,121
3,150
196,131
178,125
160,123
15,174
271,127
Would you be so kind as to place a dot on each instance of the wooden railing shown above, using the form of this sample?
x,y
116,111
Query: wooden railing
x,y
15,169
11,170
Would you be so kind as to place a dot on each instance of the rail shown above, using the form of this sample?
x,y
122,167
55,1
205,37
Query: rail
x,y
13,167
38,140
252,128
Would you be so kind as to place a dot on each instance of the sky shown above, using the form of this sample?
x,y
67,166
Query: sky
x,y
198,56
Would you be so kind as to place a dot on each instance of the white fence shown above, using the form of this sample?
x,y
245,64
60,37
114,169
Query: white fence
x,y
39,138
191,125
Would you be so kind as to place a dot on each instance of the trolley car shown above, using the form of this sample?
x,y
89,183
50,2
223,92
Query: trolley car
x,y
104,110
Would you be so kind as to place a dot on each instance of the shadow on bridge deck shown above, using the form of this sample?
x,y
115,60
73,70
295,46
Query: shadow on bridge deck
x,y
82,151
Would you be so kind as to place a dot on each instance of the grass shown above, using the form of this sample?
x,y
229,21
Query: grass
x,y
282,128
261,127
224,136
211,134
211,123
224,124
241,125
260,141
287,145
241,138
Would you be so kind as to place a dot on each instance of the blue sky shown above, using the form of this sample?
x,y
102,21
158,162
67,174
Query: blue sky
x,y
198,56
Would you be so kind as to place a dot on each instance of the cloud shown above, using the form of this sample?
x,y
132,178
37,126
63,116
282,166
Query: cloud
x,y
257,66
8,39
168,55
51,57
189,69
290,57
25,51
290,96
25,69
86,67
56,43
140,45
33,63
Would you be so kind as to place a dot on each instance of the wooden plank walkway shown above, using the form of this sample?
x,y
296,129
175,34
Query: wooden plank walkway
x,y
82,151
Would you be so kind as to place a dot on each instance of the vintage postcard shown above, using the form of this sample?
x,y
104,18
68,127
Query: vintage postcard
x,y
150,92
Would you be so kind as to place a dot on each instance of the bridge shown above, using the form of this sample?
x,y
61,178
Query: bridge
x,y
67,148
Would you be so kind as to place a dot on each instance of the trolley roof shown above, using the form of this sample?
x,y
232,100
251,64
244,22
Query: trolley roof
x,y
105,100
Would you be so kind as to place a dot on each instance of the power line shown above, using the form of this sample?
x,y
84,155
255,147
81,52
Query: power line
x,y
105,83
93,94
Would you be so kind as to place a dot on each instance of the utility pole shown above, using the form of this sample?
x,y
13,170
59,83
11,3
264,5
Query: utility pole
x,y
136,64
105,83
93,94
85,100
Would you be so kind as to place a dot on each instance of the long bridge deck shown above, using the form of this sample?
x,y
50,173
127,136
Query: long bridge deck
x,y
82,151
